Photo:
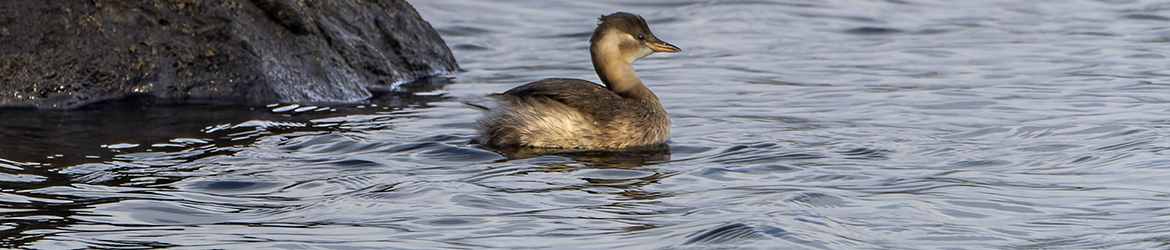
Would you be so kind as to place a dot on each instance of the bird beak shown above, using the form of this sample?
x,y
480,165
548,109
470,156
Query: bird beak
x,y
661,46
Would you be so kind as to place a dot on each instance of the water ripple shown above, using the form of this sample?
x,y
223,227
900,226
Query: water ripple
x,y
822,125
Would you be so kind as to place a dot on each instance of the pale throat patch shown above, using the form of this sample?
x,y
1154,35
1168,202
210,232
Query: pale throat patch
x,y
610,44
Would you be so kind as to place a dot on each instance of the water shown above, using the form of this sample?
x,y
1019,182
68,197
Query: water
x,y
842,124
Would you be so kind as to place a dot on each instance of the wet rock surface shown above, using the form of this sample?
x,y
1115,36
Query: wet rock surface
x,y
66,54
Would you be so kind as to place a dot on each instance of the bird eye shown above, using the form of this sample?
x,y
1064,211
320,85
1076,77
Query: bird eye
x,y
642,36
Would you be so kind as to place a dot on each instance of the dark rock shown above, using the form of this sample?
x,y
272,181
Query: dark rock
x,y
68,53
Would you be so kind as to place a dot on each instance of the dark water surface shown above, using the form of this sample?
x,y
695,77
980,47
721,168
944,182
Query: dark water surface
x,y
849,124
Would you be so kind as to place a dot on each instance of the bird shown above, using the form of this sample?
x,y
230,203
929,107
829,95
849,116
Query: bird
x,y
565,113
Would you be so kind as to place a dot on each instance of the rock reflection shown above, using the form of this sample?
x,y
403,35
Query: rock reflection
x,y
55,171
66,138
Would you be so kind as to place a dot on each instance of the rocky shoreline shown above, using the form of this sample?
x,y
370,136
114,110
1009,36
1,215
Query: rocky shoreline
x,y
66,54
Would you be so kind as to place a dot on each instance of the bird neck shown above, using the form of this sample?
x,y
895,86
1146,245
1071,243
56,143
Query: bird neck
x,y
618,75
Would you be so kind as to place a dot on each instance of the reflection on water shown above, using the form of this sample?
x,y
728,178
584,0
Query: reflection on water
x,y
826,125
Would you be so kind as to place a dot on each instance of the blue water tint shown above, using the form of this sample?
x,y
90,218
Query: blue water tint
x,y
795,124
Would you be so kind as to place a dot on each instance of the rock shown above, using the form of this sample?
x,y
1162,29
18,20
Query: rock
x,y
63,54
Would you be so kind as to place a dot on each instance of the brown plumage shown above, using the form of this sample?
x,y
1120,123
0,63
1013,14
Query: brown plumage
x,y
574,113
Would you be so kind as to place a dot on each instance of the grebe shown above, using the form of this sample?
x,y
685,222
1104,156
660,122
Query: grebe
x,y
579,114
